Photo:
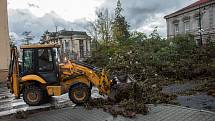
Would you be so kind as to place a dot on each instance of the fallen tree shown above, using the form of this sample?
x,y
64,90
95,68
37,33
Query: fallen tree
x,y
154,62
130,99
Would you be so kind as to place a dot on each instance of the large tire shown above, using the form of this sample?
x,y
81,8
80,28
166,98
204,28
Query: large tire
x,y
34,95
79,93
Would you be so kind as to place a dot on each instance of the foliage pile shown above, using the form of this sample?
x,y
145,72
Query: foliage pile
x,y
127,108
131,99
208,86
156,61
153,62
142,93
155,58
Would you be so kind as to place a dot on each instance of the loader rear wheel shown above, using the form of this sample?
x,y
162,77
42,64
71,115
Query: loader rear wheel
x,y
79,93
33,95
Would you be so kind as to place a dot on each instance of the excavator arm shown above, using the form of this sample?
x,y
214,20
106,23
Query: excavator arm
x,y
13,75
99,80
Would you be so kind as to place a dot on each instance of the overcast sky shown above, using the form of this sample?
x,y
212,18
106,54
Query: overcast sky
x,y
40,15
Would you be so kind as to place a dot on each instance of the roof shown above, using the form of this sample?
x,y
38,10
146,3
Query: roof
x,y
39,46
198,3
70,33
52,34
66,33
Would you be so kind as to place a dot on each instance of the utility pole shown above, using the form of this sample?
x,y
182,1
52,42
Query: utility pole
x,y
56,35
56,29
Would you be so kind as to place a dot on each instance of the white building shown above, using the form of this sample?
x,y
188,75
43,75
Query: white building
x,y
74,44
197,19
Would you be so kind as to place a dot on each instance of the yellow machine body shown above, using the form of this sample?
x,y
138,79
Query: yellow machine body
x,y
70,73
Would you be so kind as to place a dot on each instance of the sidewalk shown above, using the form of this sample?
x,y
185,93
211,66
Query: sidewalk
x,y
9,106
157,113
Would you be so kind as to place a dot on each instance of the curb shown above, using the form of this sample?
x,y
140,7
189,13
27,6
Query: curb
x,y
35,109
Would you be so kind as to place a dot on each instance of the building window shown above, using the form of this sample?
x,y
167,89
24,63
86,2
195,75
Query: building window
x,y
186,26
64,46
81,45
67,46
87,46
176,28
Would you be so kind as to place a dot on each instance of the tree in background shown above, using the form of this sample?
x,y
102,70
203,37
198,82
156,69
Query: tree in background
x,y
28,37
100,29
12,41
43,37
120,26
104,24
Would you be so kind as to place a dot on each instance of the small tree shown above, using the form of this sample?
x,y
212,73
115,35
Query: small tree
x,y
120,26
138,36
155,35
103,23
28,37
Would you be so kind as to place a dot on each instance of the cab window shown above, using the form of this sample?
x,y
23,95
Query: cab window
x,y
27,60
45,61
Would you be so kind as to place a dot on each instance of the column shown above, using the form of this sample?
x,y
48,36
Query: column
x,y
4,36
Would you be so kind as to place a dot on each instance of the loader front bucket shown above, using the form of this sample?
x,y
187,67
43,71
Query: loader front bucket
x,y
120,83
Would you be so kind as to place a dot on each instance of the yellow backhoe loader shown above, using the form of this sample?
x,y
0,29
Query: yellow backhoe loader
x,y
41,74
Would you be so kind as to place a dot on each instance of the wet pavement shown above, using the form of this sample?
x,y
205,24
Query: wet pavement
x,y
9,105
178,88
197,100
65,110
156,113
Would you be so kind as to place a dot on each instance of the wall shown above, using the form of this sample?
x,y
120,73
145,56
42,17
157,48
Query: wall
x,y
193,21
4,37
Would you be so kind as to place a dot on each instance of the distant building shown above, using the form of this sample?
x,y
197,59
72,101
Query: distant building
x,y
4,36
74,44
197,19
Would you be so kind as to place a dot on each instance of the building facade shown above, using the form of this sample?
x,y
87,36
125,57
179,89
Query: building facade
x,y
4,36
74,44
197,19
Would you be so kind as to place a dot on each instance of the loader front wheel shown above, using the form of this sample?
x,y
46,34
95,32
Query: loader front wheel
x,y
33,95
79,93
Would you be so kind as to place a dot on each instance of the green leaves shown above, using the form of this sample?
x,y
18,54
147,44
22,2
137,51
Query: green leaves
x,y
119,26
144,57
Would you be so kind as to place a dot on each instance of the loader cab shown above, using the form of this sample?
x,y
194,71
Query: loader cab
x,y
41,60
